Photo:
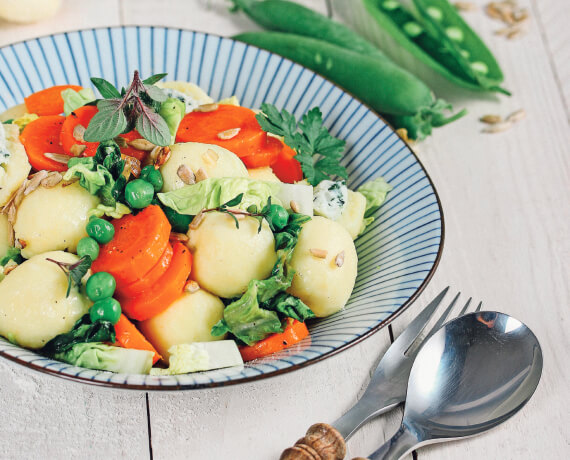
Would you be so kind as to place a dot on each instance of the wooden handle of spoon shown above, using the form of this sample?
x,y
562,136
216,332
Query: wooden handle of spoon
x,y
321,442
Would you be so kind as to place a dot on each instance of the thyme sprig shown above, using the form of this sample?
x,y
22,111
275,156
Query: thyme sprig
x,y
74,271
252,211
134,107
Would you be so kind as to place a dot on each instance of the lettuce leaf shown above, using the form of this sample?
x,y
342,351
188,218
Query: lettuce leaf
x,y
214,192
107,358
375,192
72,99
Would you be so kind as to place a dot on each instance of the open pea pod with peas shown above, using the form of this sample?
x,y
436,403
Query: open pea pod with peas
x,y
343,56
435,34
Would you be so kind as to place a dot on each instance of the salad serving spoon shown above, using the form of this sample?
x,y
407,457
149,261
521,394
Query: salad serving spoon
x,y
472,375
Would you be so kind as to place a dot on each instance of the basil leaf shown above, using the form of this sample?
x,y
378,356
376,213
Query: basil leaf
x,y
108,122
107,90
152,127
155,93
154,78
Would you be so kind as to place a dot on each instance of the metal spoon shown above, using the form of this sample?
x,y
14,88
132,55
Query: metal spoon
x,y
470,376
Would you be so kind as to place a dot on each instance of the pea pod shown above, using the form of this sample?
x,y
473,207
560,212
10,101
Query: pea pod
x,y
380,83
286,16
441,40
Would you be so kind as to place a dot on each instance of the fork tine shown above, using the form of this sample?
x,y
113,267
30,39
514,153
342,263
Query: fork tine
x,y
464,309
410,334
444,315
479,307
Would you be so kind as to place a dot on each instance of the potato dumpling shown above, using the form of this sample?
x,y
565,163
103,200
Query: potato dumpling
x,y
34,308
325,263
353,213
18,166
214,161
225,258
4,235
189,319
13,112
265,174
50,219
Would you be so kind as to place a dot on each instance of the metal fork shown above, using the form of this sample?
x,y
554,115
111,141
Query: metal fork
x,y
387,387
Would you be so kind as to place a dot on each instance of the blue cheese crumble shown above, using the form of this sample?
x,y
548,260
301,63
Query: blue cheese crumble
x,y
329,199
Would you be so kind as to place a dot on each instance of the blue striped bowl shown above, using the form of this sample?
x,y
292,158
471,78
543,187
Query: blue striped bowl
x,y
397,255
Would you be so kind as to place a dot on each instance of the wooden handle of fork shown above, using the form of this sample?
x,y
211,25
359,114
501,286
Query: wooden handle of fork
x,y
321,442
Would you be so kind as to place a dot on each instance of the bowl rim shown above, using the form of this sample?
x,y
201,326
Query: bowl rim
x,y
294,367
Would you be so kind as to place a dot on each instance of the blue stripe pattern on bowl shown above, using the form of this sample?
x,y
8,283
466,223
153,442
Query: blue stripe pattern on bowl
x,y
397,255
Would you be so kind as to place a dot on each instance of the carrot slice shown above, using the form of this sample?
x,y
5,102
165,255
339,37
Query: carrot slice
x,y
265,156
131,151
286,167
293,333
80,117
48,101
166,290
134,289
138,244
41,136
216,128
128,336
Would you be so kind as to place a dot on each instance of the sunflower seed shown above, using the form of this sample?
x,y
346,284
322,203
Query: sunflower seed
x,y
52,179
77,149
403,133
294,206
497,127
121,141
491,119
492,11
9,268
79,133
191,287
465,6
516,32
186,175
319,253
141,144
57,157
517,115
22,243
201,175
196,221
339,259
229,134
179,237
206,108
133,165
162,157
35,181
210,157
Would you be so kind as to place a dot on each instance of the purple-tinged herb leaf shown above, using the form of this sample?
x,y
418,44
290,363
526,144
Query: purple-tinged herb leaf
x,y
152,127
108,122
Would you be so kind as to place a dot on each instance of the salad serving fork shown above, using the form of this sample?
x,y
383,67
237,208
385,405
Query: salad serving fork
x,y
387,387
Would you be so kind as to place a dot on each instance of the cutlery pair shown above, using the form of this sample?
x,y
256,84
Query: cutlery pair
x,y
461,380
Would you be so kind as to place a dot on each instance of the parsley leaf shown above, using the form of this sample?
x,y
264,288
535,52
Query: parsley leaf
x,y
318,152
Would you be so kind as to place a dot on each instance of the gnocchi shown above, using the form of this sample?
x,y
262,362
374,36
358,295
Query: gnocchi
x,y
5,231
50,219
32,317
214,161
265,174
325,264
225,258
18,166
189,319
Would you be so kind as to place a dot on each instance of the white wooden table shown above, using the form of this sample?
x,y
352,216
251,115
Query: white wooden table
x,y
506,203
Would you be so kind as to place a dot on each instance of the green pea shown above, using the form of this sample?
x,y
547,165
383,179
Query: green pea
x,y
100,230
390,5
100,285
480,67
413,29
455,33
278,216
435,13
139,193
108,309
153,177
88,247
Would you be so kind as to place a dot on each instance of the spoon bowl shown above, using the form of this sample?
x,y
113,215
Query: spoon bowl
x,y
472,375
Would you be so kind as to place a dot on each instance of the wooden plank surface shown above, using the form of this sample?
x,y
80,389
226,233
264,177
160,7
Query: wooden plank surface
x,y
507,225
